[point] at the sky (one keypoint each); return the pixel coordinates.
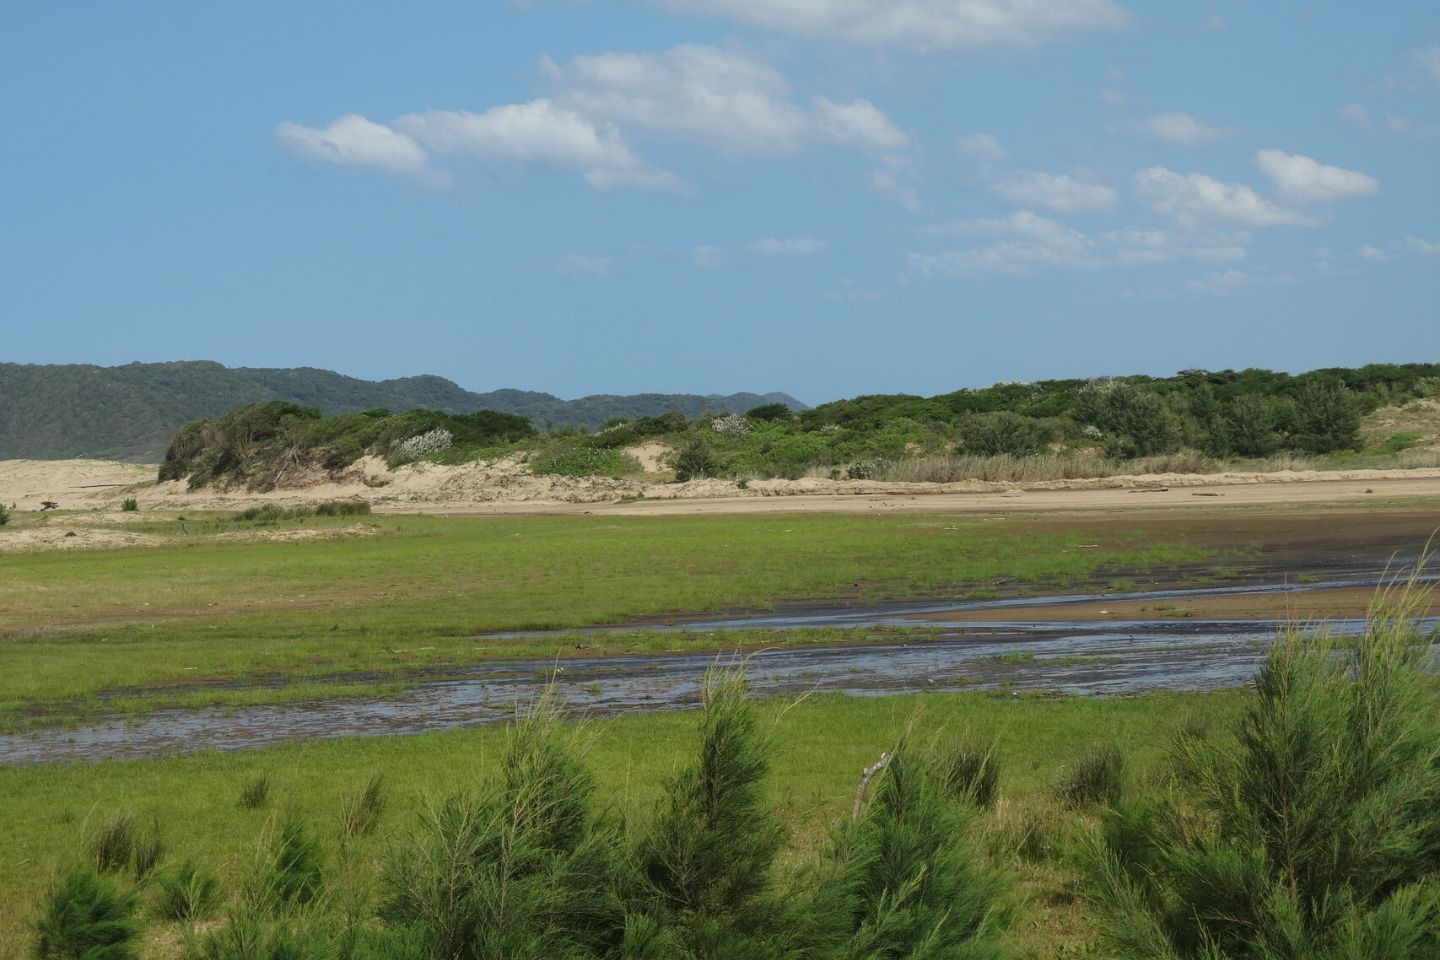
(826, 198)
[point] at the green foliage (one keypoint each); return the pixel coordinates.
(360, 811)
(769, 411)
(85, 917)
(969, 771)
(695, 462)
(521, 870)
(130, 505)
(1312, 832)
(1097, 777)
(903, 880)
(1400, 441)
(1002, 432)
(291, 870)
(1327, 418)
(255, 792)
(4, 514)
(580, 461)
(275, 513)
(708, 856)
(1133, 420)
(187, 894)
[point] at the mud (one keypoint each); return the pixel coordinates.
(966, 651)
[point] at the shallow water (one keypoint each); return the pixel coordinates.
(1074, 657)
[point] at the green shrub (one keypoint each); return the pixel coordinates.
(85, 917)
(769, 411)
(695, 462)
(4, 514)
(1002, 432)
(904, 880)
(1098, 777)
(130, 505)
(185, 894)
(293, 872)
(1400, 442)
(1327, 418)
(1311, 833)
(585, 462)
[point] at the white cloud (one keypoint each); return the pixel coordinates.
(1358, 116)
(1428, 60)
(579, 264)
(1411, 246)
(859, 123)
(1059, 192)
(1026, 243)
(981, 148)
(787, 247)
(353, 140)
(1231, 282)
(1410, 128)
(1183, 129)
(706, 255)
(922, 24)
(716, 97)
(1194, 198)
(890, 180)
(539, 131)
(1304, 178)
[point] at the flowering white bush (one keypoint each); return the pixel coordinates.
(732, 425)
(422, 445)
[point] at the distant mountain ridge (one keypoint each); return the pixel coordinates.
(130, 412)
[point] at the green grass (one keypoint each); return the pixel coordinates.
(78, 626)
(822, 745)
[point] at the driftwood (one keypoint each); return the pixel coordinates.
(49, 505)
(865, 779)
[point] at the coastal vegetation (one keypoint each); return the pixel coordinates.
(1194, 422)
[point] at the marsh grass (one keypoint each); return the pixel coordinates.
(361, 809)
(310, 611)
(255, 792)
(1098, 777)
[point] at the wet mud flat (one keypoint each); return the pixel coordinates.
(1006, 658)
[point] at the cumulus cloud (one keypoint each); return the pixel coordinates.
(981, 148)
(353, 140)
(717, 97)
(787, 247)
(1059, 192)
(922, 24)
(1358, 116)
(539, 131)
(1306, 179)
(1194, 198)
(1027, 243)
(1183, 129)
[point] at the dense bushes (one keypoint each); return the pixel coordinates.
(258, 444)
(532, 865)
(1254, 413)
(1314, 832)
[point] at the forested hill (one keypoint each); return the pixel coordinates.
(131, 412)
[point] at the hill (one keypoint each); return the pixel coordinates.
(131, 412)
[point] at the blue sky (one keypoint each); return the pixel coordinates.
(713, 195)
